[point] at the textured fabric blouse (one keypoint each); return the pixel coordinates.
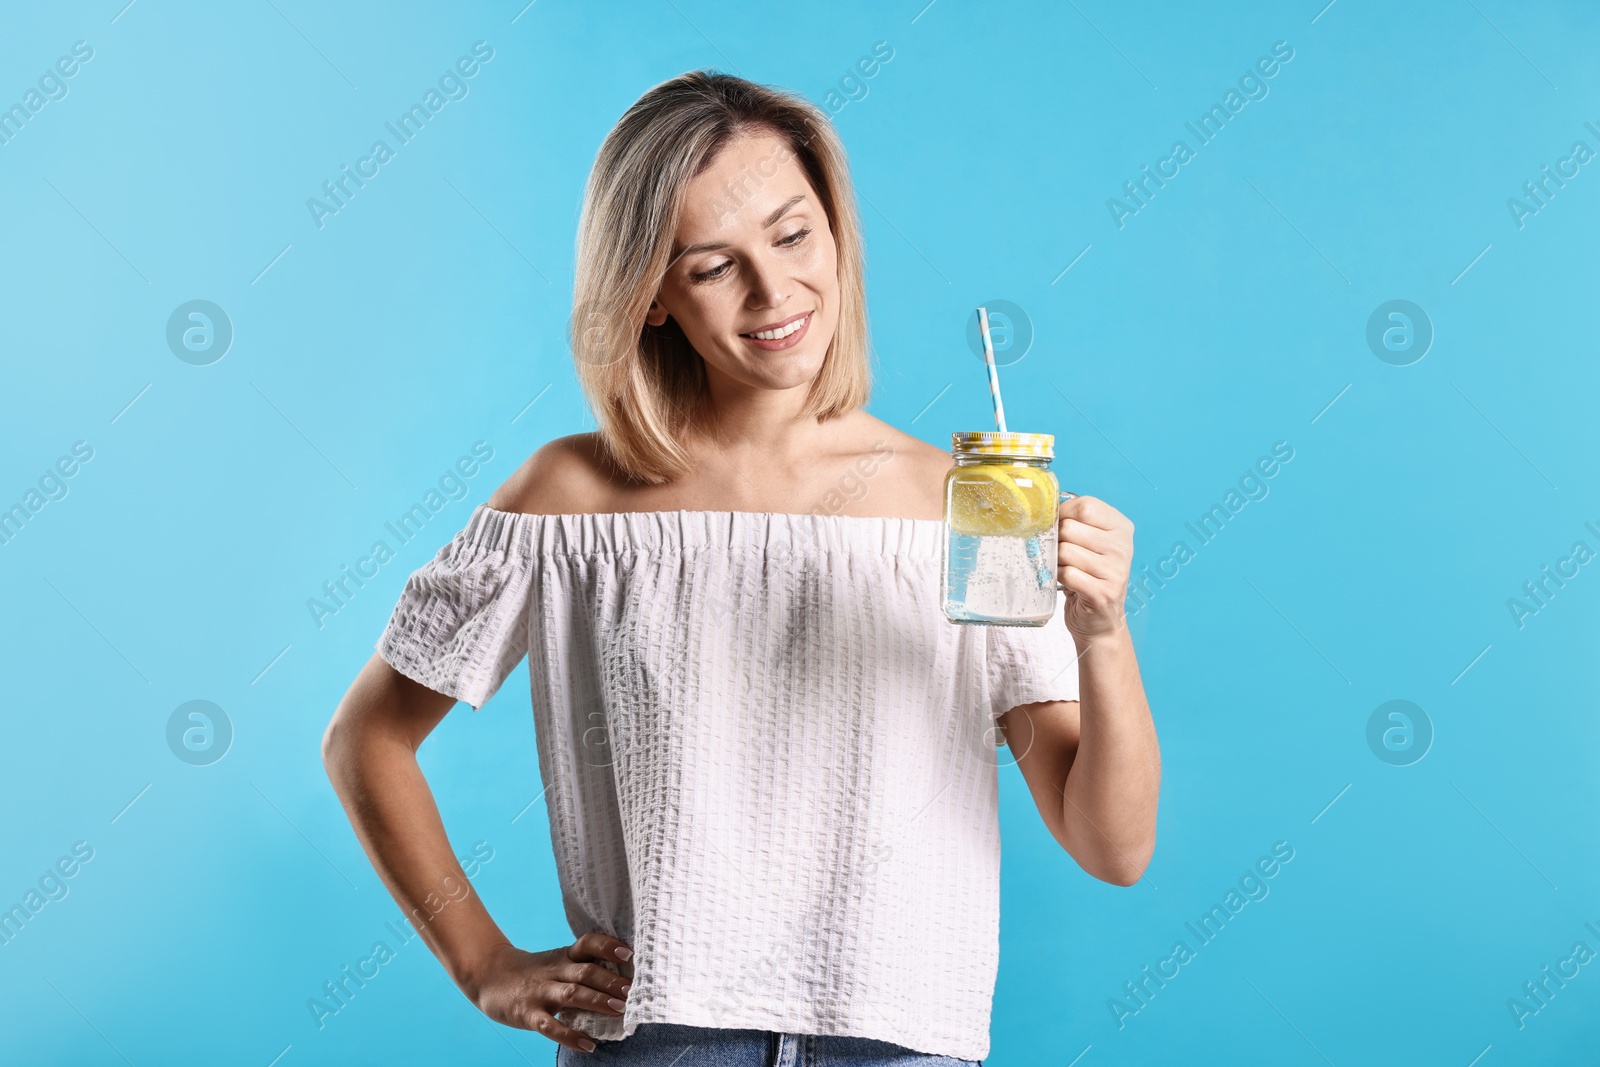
(770, 762)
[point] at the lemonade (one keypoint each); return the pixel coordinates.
(991, 500)
(1001, 555)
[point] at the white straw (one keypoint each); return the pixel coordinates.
(994, 374)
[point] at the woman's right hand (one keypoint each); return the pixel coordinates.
(526, 989)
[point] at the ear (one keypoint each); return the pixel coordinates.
(657, 315)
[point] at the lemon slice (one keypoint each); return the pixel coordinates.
(996, 501)
(1038, 488)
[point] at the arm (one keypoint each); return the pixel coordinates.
(370, 753)
(1093, 765)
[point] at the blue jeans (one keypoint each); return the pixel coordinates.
(675, 1045)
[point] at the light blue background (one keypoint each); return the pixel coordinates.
(1223, 317)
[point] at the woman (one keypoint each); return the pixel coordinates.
(768, 759)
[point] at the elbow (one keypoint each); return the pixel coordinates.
(332, 744)
(1104, 859)
(1124, 869)
(1123, 876)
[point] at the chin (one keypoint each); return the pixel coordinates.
(786, 370)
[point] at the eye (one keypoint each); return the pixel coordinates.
(796, 237)
(713, 274)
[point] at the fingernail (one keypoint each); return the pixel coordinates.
(624, 953)
(586, 1045)
(616, 1005)
(626, 988)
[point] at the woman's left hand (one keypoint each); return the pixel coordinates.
(1094, 555)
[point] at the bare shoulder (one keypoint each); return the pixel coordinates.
(919, 469)
(565, 476)
(916, 453)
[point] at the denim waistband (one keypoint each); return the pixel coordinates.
(677, 1045)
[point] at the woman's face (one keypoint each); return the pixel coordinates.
(754, 282)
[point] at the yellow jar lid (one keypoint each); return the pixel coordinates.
(995, 443)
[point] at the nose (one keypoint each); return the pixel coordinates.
(768, 288)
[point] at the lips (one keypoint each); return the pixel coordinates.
(784, 333)
(780, 324)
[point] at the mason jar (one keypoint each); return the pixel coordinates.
(1000, 505)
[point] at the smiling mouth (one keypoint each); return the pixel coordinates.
(781, 330)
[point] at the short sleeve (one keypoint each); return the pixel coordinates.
(1028, 664)
(461, 624)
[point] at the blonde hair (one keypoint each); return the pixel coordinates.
(646, 383)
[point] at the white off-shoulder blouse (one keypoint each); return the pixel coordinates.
(769, 760)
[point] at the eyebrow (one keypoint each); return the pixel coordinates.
(712, 246)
